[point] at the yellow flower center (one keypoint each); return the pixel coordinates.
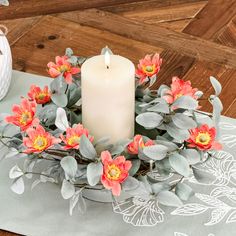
(149, 69)
(25, 117)
(73, 140)
(41, 96)
(203, 138)
(64, 68)
(40, 143)
(113, 172)
(178, 95)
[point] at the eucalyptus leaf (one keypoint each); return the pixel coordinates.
(74, 94)
(48, 114)
(69, 52)
(69, 165)
(18, 185)
(216, 85)
(160, 107)
(60, 100)
(15, 172)
(179, 164)
(149, 120)
(158, 187)
(130, 183)
(168, 198)
(162, 90)
(183, 122)
(61, 121)
(192, 156)
(67, 189)
(156, 152)
(94, 172)
(58, 85)
(203, 176)
(183, 191)
(170, 145)
(185, 102)
(135, 167)
(86, 148)
(178, 134)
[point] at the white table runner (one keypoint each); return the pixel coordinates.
(43, 212)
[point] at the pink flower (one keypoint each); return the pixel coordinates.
(138, 143)
(62, 66)
(24, 116)
(38, 140)
(115, 172)
(180, 88)
(203, 138)
(148, 66)
(73, 135)
(41, 96)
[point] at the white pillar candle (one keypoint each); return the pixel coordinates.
(108, 97)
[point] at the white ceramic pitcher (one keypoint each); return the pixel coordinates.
(5, 63)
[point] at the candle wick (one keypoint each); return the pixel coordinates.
(107, 67)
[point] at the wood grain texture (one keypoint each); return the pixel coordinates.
(180, 42)
(212, 18)
(28, 8)
(38, 38)
(34, 56)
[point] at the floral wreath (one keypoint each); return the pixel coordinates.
(171, 137)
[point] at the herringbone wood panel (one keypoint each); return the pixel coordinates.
(196, 38)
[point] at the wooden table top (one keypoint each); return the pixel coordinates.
(196, 38)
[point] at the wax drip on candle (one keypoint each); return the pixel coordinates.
(107, 59)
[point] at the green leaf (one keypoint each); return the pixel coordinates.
(185, 102)
(61, 121)
(183, 122)
(86, 148)
(67, 189)
(48, 114)
(183, 191)
(94, 172)
(170, 145)
(168, 198)
(130, 184)
(216, 85)
(155, 152)
(179, 164)
(60, 99)
(203, 176)
(158, 187)
(135, 167)
(149, 120)
(69, 52)
(18, 185)
(192, 156)
(15, 172)
(178, 134)
(69, 165)
(163, 108)
(74, 94)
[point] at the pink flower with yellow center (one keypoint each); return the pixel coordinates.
(180, 88)
(73, 135)
(138, 143)
(203, 138)
(38, 140)
(148, 66)
(115, 172)
(41, 96)
(24, 114)
(62, 66)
